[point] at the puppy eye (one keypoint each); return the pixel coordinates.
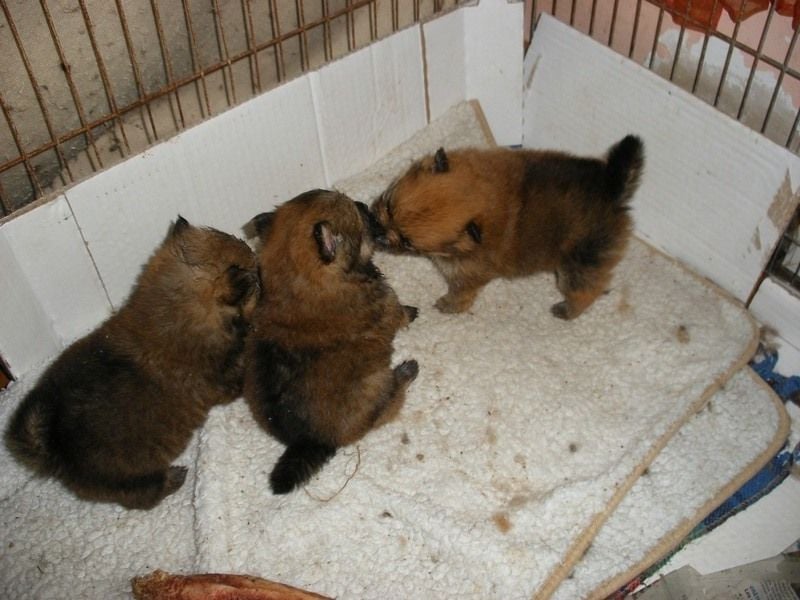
(406, 243)
(242, 282)
(474, 231)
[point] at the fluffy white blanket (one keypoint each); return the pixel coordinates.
(518, 439)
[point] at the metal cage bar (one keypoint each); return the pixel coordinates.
(148, 91)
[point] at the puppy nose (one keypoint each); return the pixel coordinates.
(376, 230)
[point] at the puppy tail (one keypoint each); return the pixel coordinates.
(27, 434)
(297, 464)
(623, 169)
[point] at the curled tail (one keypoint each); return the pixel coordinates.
(297, 464)
(27, 435)
(624, 168)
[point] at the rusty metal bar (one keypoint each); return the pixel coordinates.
(101, 66)
(280, 63)
(198, 68)
(5, 209)
(350, 26)
(326, 31)
(23, 156)
(592, 15)
(703, 50)
(255, 71)
(126, 34)
(73, 90)
(36, 88)
(793, 131)
(167, 62)
(373, 21)
(778, 84)
(726, 66)
(756, 60)
(613, 23)
(655, 37)
(299, 6)
(224, 54)
(635, 28)
(679, 45)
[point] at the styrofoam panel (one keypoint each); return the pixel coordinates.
(369, 102)
(476, 53)
(49, 249)
(249, 159)
(27, 336)
(776, 306)
(219, 173)
(493, 41)
(709, 183)
(445, 59)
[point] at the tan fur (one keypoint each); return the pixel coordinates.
(118, 406)
(319, 358)
(532, 210)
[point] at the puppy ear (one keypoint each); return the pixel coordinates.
(259, 225)
(242, 283)
(474, 231)
(440, 162)
(376, 230)
(326, 241)
(178, 226)
(180, 243)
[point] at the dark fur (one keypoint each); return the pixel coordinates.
(319, 370)
(110, 415)
(483, 214)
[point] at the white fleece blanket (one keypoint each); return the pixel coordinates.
(740, 429)
(53, 544)
(519, 435)
(517, 439)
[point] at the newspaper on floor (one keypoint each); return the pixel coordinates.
(776, 578)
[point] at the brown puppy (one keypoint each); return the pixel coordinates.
(119, 405)
(482, 214)
(318, 361)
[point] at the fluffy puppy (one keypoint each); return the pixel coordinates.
(119, 405)
(319, 370)
(482, 214)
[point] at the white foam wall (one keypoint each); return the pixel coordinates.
(476, 53)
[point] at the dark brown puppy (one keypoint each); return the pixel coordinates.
(319, 370)
(118, 406)
(482, 214)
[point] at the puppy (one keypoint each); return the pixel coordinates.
(318, 362)
(119, 405)
(482, 214)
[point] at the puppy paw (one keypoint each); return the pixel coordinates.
(175, 478)
(412, 312)
(451, 305)
(561, 310)
(406, 371)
